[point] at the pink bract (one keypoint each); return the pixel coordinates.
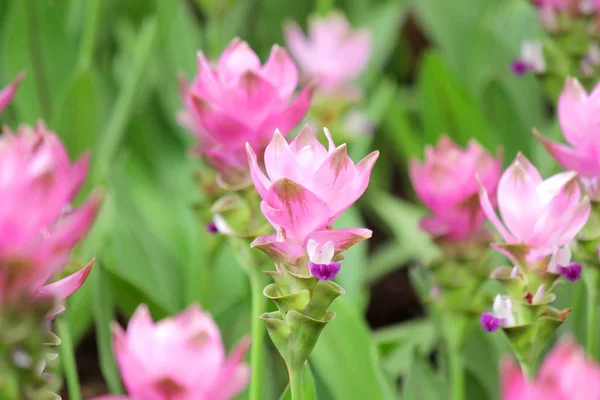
(7, 93)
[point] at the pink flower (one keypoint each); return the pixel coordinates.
(566, 374)
(579, 116)
(38, 226)
(307, 188)
(563, 5)
(447, 184)
(178, 358)
(333, 52)
(239, 101)
(7, 93)
(543, 214)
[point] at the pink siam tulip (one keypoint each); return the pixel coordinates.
(7, 93)
(306, 188)
(37, 223)
(542, 215)
(178, 358)
(332, 53)
(446, 182)
(579, 116)
(566, 374)
(240, 101)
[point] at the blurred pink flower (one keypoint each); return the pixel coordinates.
(579, 116)
(446, 182)
(333, 53)
(178, 358)
(542, 214)
(37, 224)
(7, 93)
(238, 101)
(307, 188)
(562, 5)
(566, 374)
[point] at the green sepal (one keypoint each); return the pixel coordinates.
(286, 302)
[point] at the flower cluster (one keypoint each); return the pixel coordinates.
(182, 357)
(307, 187)
(240, 101)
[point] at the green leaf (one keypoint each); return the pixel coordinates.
(481, 361)
(78, 113)
(104, 315)
(310, 392)
(346, 359)
(422, 383)
(67, 359)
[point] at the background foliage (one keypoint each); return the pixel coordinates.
(103, 74)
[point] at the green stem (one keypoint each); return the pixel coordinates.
(297, 381)
(528, 370)
(457, 377)
(259, 305)
(67, 359)
(591, 281)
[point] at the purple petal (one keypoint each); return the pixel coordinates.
(520, 67)
(490, 323)
(571, 272)
(212, 228)
(324, 272)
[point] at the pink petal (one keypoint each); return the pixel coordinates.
(575, 223)
(307, 143)
(71, 228)
(237, 58)
(113, 397)
(206, 84)
(281, 71)
(252, 99)
(355, 52)
(517, 198)
(357, 187)
(333, 176)
(296, 209)
(280, 160)
(65, 287)
(261, 182)
(488, 210)
(291, 116)
(220, 126)
(514, 386)
(587, 164)
(434, 226)
(280, 252)
(7, 93)
(578, 114)
(342, 239)
(296, 42)
(235, 375)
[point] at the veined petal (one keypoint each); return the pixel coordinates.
(296, 209)
(281, 71)
(518, 201)
(261, 182)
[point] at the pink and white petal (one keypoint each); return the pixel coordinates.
(65, 287)
(281, 71)
(261, 182)
(488, 210)
(280, 160)
(342, 239)
(518, 201)
(7, 93)
(571, 159)
(219, 125)
(307, 147)
(289, 117)
(333, 176)
(279, 252)
(330, 141)
(235, 60)
(296, 209)
(356, 188)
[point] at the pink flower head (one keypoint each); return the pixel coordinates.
(579, 116)
(7, 93)
(566, 374)
(306, 188)
(178, 358)
(333, 52)
(543, 214)
(446, 182)
(240, 101)
(37, 223)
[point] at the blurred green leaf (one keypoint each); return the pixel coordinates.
(67, 359)
(346, 341)
(482, 362)
(422, 383)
